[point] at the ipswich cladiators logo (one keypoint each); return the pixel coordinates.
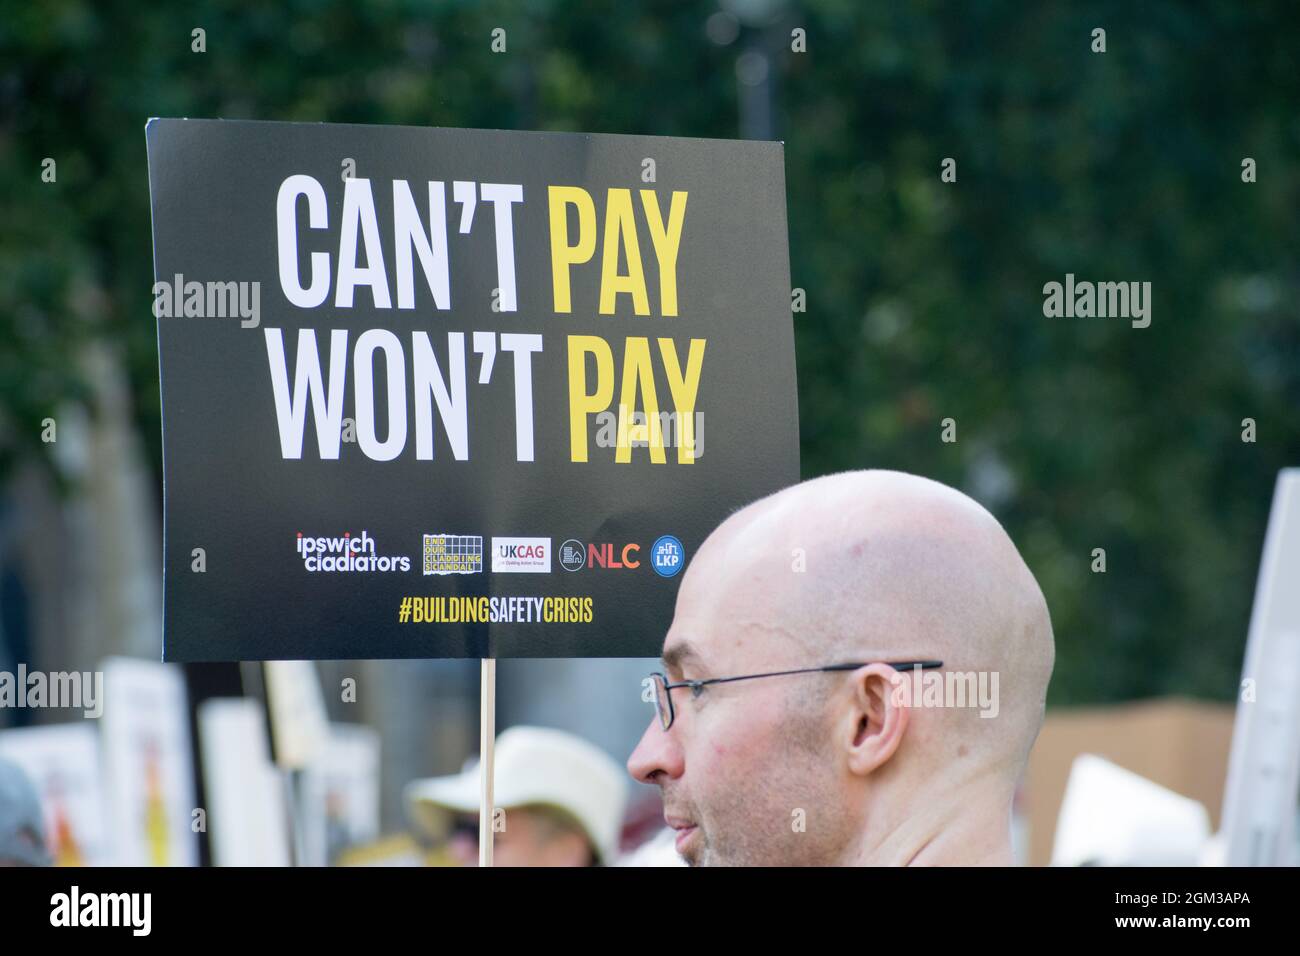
(347, 552)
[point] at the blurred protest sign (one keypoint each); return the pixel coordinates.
(1262, 796)
(340, 795)
(248, 816)
(146, 739)
(296, 709)
(63, 763)
(458, 393)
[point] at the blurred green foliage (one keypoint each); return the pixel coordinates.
(924, 298)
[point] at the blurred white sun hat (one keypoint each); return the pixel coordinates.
(534, 765)
(1114, 817)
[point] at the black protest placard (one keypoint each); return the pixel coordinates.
(458, 393)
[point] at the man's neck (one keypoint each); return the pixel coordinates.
(989, 846)
(976, 831)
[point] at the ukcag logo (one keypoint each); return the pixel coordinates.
(521, 555)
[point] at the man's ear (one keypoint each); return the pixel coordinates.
(877, 718)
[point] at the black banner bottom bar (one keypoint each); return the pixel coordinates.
(219, 906)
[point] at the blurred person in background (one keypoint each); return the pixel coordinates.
(22, 840)
(821, 590)
(563, 799)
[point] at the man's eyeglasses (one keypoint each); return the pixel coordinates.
(663, 698)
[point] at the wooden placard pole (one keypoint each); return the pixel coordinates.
(486, 742)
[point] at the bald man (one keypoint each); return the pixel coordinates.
(797, 764)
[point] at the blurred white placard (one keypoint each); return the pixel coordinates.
(340, 794)
(150, 773)
(1263, 789)
(248, 821)
(296, 703)
(63, 763)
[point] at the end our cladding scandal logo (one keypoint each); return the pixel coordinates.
(346, 553)
(453, 553)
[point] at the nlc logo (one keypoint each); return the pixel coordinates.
(607, 556)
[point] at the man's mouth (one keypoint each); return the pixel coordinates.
(684, 829)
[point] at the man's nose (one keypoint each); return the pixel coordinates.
(657, 753)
